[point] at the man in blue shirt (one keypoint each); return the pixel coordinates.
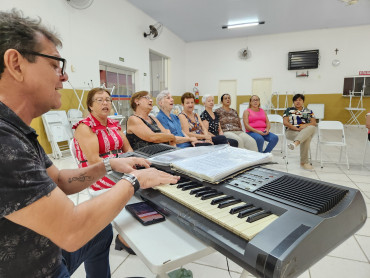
(170, 121)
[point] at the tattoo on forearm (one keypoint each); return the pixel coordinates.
(80, 178)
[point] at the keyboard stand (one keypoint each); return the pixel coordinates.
(162, 247)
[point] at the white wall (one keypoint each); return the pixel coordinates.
(210, 61)
(108, 29)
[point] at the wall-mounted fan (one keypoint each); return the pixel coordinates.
(154, 31)
(244, 53)
(80, 4)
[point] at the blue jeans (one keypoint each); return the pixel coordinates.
(94, 254)
(260, 140)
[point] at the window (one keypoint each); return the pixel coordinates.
(356, 85)
(123, 81)
(158, 73)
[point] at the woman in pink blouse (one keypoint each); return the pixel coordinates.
(257, 125)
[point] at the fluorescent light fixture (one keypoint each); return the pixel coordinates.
(242, 25)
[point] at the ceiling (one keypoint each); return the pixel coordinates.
(198, 20)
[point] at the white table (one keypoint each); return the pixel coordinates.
(163, 247)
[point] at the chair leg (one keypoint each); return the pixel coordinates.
(363, 160)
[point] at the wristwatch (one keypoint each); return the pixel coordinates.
(107, 165)
(133, 180)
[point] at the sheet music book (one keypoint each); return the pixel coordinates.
(211, 163)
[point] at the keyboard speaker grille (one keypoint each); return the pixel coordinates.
(312, 196)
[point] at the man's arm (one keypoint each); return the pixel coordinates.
(70, 227)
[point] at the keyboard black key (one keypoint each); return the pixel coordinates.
(258, 216)
(227, 203)
(247, 212)
(219, 200)
(202, 193)
(240, 208)
(182, 184)
(194, 191)
(211, 195)
(190, 186)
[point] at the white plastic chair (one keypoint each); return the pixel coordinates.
(74, 116)
(278, 128)
(332, 129)
(367, 144)
(58, 130)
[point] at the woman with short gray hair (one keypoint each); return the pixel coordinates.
(171, 122)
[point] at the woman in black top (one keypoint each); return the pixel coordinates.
(211, 120)
(143, 130)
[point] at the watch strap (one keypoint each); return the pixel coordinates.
(133, 180)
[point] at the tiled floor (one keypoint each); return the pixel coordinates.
(351, 259)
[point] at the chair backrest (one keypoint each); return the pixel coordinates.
(277, 125)
(275, 118)
(72, 149)
(318, 109)
(331, 125)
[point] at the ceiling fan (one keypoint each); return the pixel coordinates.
(244, 53)
(80, 4)
(154, 31)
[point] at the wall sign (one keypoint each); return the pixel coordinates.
(362, 72)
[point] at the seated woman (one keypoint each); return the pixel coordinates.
(257, 125)
(231, 126)
(300, 123)
(171, 121)
(142, 129)
(97, 137)
(192, 124)
(210, 120)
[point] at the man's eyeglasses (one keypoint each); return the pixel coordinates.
(62, 61)
(101, 100)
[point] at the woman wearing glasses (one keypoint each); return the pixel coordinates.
(257, 125)
(97, 137)
(142, 129)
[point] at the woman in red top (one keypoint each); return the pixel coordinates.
(257, 125)
(97, 137)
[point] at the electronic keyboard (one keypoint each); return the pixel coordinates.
(271, 223)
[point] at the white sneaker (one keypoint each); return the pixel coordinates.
(307, 167)
(291, 146)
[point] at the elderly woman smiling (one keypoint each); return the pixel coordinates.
(171, 121)
(192, 124)
(142, 129)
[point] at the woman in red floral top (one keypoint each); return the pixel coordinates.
(97, 136)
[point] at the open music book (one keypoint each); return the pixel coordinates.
(211, 163)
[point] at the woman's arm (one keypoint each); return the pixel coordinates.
(136, 125)
(88, 142)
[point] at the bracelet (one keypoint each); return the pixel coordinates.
(107, 165)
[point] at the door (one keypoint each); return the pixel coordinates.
(228, 87)
(262, 88)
